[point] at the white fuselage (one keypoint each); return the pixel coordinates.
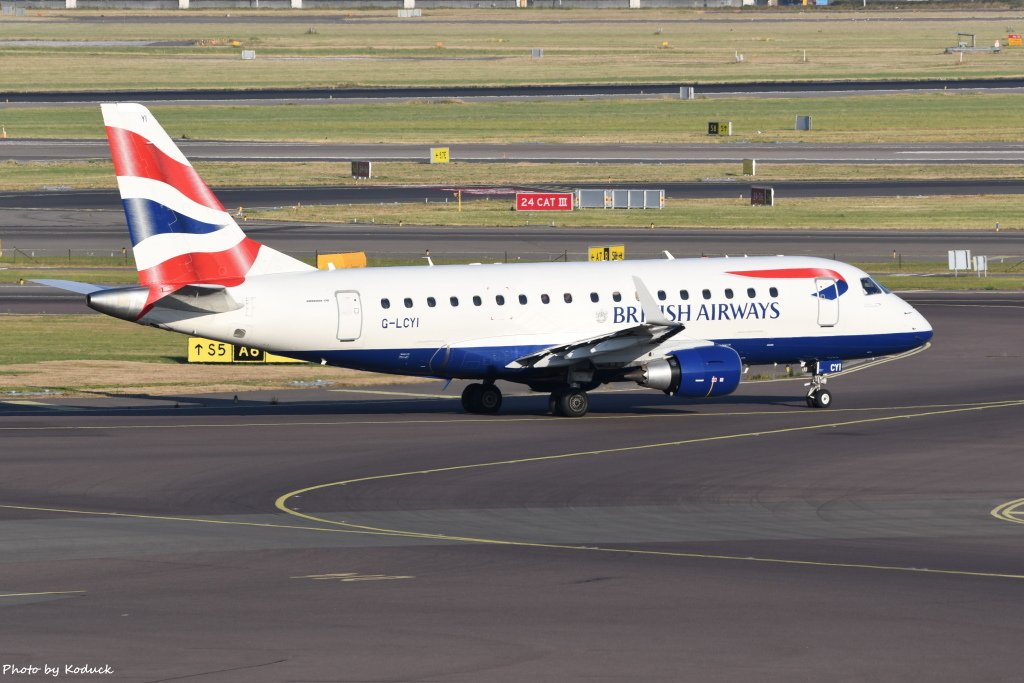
(473, 320)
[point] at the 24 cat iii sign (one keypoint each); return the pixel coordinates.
(543, 201)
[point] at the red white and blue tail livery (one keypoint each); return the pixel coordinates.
(687, 327)
(181, 234)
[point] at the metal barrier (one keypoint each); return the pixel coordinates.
(620, 199)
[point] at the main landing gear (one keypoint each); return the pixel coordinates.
(818, 396)
(481, 399)
(485, 399)
(568, 402)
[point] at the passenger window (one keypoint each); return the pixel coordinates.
(870, 286)
(499, 299)
(684, 295)
(408, 302)
(594, 297)
(706, 293)
(616, 296)
(522, 299)
(751, 294)
(728, 294)
(385, 303)
(773, 292)
(477, 301)
(661, 295)
(454, 300)
(431, 301)
(545, 299)
(567, 297)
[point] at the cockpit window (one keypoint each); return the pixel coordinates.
(872, 287)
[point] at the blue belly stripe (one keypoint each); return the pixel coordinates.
(490, 361)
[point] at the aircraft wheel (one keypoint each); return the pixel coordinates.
(488, 399)
(553, 403)
(822, 398)
(471, 398)
(810, 400)
(573, 403)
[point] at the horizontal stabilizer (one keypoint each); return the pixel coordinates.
(200, 299)
(131, 303)
(70, 286)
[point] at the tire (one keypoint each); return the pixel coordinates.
(488, 399)
(810, 400)
(573, 403)
(553, 403)
(823, 399)
(471, 398)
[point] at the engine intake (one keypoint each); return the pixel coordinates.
(701, 372)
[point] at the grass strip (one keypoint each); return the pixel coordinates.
(492, 47)
(32, 339)
(34, 175)
(912, 117)
(902, 213)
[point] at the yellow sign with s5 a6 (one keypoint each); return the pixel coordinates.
(201, 350)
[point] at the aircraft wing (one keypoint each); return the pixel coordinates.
(655, 329)
(640, 337)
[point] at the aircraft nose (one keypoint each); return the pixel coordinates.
(921, 328)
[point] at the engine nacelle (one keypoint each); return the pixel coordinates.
(701, 372)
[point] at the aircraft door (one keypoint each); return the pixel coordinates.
(350, 316)
(828, 301)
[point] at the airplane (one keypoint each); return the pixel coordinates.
(688, 327)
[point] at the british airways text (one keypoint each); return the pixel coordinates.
(686, 312)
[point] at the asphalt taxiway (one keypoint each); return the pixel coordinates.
(380, 534)
(37, 149)
(52, 232)
(277, 196)
(341, 95)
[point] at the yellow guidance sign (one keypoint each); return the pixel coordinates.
(439, 155)
(202, 350)
(353, 259)
(615, 252)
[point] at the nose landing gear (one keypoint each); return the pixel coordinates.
(818, 396)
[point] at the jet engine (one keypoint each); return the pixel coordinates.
(699, 372)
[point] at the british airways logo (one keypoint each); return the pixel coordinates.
(684, 313)
(829, 284)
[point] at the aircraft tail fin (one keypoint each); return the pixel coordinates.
(181, 233)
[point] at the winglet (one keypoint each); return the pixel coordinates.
(652, 314)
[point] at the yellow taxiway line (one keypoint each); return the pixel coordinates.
(282, 501)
